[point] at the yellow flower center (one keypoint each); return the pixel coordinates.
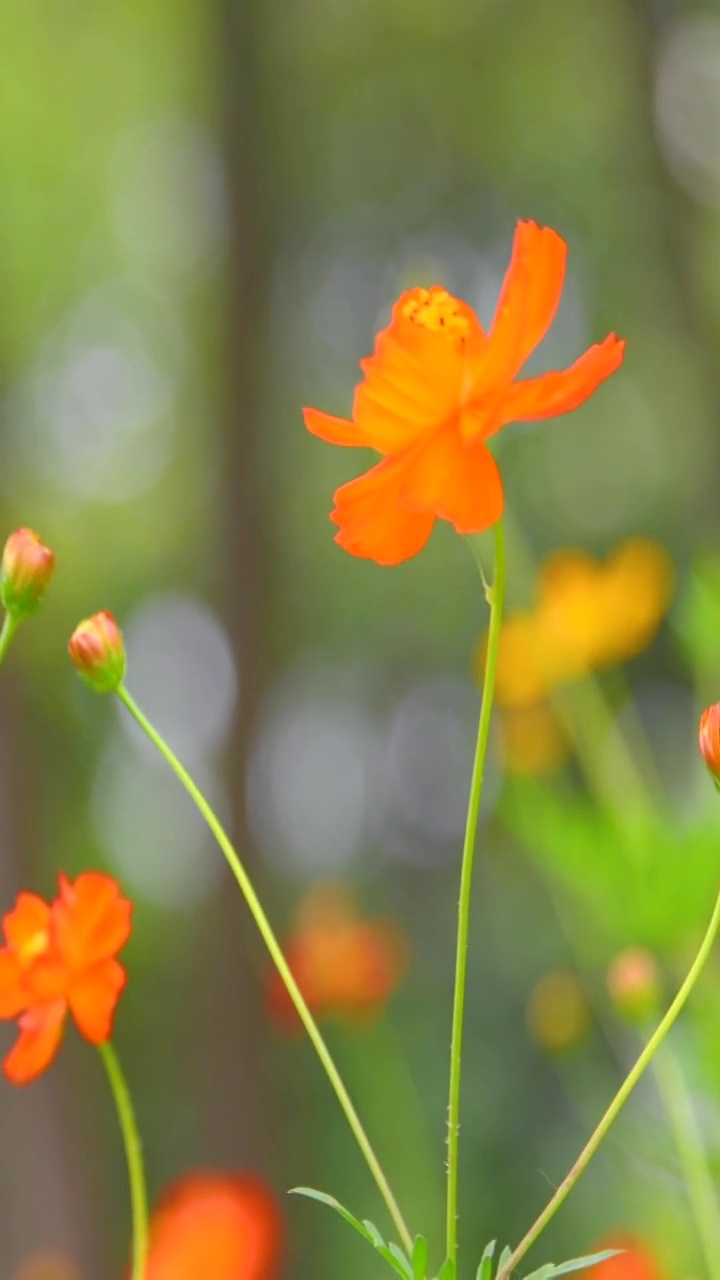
(437, 311)
(35, 946)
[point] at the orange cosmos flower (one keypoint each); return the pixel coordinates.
(59, 957)
(437, 388)
(343, 965)
(634, 1263)
(215, 1226)
(709, 739)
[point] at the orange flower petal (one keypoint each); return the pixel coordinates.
(415, 379)
(372, 524)
(91, 920)
(215, 1226)
(456, 482)
(41, 1031)
(527, 304)
(13, 997)
(93, 999)
(27, 927)
(555, 393)
(334, 430)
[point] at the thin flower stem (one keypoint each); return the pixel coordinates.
(133, 1154)
(9, 627)
(618, 1102)
(495, 596)
(691, 1152)
(281, 964)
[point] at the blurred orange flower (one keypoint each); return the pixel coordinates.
(47, 1264)
(532, 739)
(343, 965)
(215, 1226)
(634, 1263)
(60, 957)
(588, 615)
(558, 1013)
(437, 388)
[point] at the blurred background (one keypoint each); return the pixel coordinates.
(207, 210)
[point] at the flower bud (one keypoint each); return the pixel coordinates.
(27, 567)
(709, 738)
(633, 984)
(98, 651)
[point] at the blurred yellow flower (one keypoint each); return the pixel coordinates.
(558, 1013)
(532, 739)
(589, 614)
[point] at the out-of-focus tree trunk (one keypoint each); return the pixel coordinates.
(236, 1093)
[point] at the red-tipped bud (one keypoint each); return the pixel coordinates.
(98, 651)
(709, 738)
(27, 567)
(633, 984)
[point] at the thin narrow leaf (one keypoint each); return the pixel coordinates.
(401, 1266)
(577, 1264)
(505, 1256)
(374, 1234)
(332, 1203)
(402, 1258)
(447, 1270)
(420, 1258)
(546, 1272)
(484, 1271)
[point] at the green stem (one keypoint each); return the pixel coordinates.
(9, 627)
(692, 1155)
(133, 1154)
(281, 964)
(495, 596)
(619, 1100)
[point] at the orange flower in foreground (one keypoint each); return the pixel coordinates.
(343, 965)
(634, 1263)
(437, 388)
(60, 957)
(215, 1226)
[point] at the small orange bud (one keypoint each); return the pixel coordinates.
(633, 984)
(98, 651)
(710, 740)
(27, 567)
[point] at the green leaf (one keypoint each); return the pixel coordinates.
(419, 1258)
(447, 1270)
(484, 1271)
(505, 1256)
(332, 1203)
(397, 1259)
(551, 1269)
(373, 1234)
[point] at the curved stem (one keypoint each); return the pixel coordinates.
(9, 627)
(619, 1100)
(495, 596)
(133, 1154)
(281, 964)
(691, 1152)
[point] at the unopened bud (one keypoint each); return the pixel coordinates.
(709, 739)
(98, 652)
(27, 567)
(633, 984)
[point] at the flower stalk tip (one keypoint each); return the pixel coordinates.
(27, 567)
(97, 650)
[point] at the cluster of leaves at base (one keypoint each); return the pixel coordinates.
(415, 1267)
